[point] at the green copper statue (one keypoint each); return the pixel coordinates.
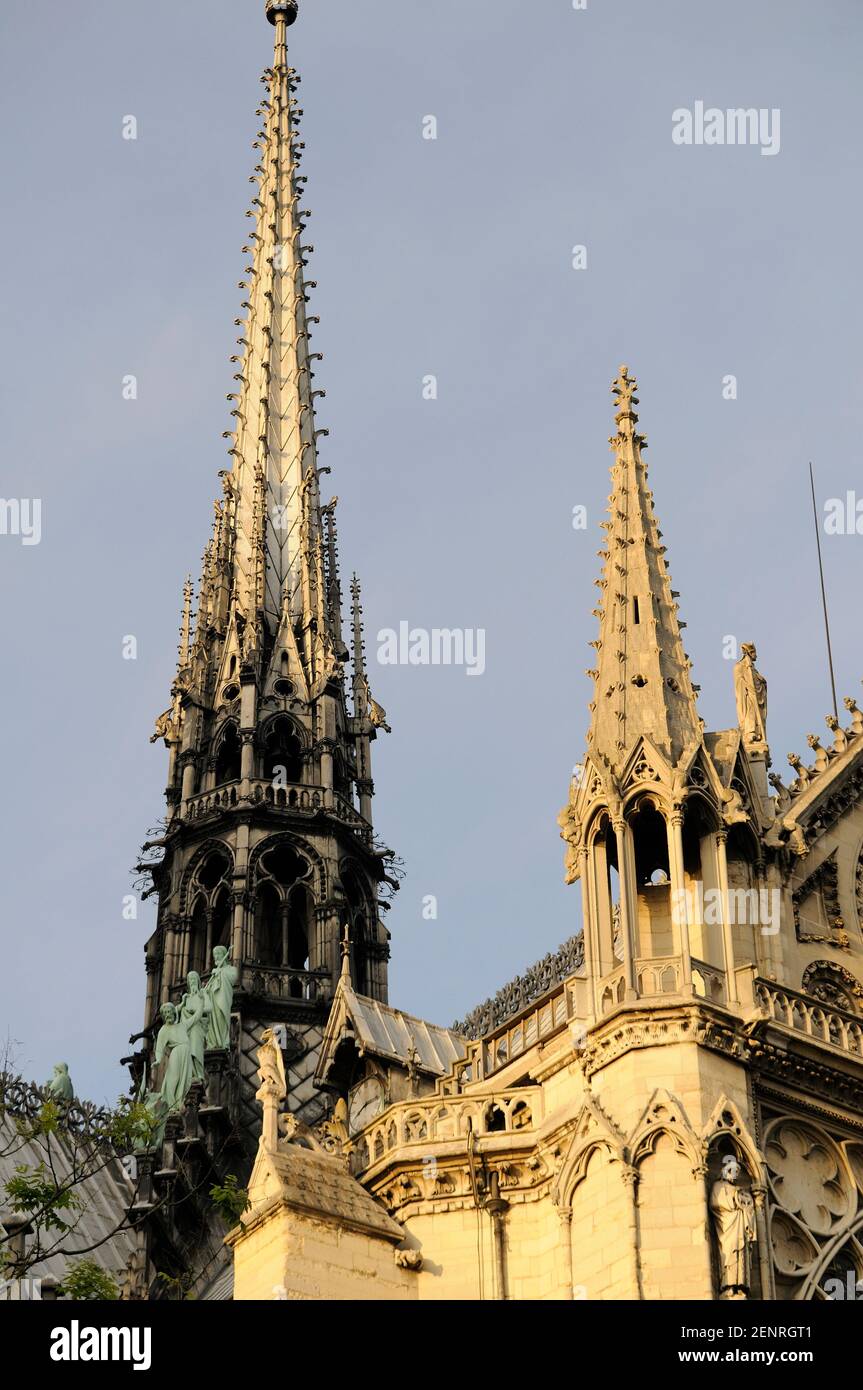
(220, 988)
(194, 1015)
(174, 1041)
(60, 1086)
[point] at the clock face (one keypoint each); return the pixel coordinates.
(365, 1102)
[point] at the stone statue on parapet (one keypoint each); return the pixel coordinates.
(174, 1045)
(750, 691)
(60, 1086)
(220, 991)
(195, 1009)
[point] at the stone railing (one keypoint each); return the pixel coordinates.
(661, 975)
(708, 982)
(438, 1118)
(536, 981)
(25, 1101)
(271, 982)
(807, 1016)
(282, 982)
(296, 796)
(547, 1016)
(343, 810)
(261, 792)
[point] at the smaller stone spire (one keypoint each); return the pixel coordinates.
(358, 658)
(641, 672)
(346, 954)
(184, 650)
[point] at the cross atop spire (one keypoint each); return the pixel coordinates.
(641, 674)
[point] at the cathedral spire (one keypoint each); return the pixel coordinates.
(263, 750)
(272, 508)
(641, 672)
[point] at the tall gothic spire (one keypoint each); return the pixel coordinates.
(642, 680)
(269, 564)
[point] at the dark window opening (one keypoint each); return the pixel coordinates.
(228, 757)
(283, 753)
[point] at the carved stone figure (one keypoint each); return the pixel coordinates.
(173, 1041)
(378, 716)
(750, 691)
(273, 1088)
(60, 1086)
(220, 989)
(733, 1214)
(195, 1007)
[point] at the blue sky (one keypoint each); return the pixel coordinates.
(451, 257)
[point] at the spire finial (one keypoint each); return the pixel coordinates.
(287, 9)
(624, 389)
(641, 672)
(346, 953)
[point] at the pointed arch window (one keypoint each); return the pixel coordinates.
(228, 756)
(210, 920)
(283, 752)
(358, 921)
(284, 912)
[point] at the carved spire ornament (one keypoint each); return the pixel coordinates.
(642, 676)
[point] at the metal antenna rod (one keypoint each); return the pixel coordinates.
(823, 591)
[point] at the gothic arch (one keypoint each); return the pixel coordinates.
(226, 752)
(702, 803)
(593, 1131)
(664, 1115)
(282, 716)
(850, 1238)
(641, 797)
(598, 825)
(299, 846)
(284, 902)
(727, 1122)
(351, 868)
(282, 741)
(361, 914)
(201, 854)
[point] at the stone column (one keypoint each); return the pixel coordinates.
(759, 1197)
(727, 930)
(679, 898)
(187, 760)
(701, 1174)
(248, 709)
(238, 930)
(599, 898)
(565, 1214)
(630, 1180)
(169, 958)
(182, 953)
(623, 835)
(327, 771)
(247, 762)
(365, 788)
(590, 951)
